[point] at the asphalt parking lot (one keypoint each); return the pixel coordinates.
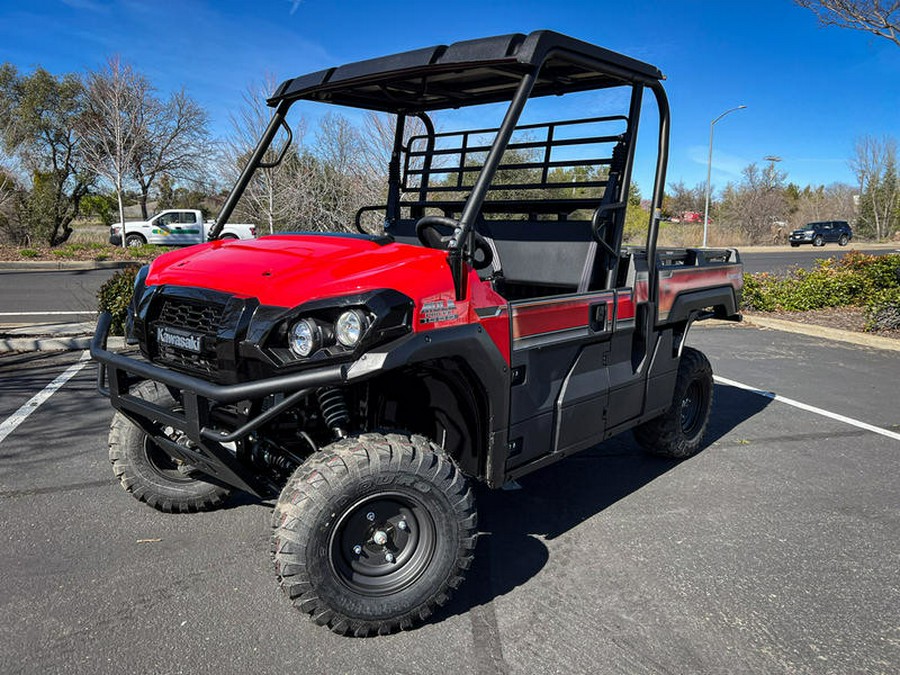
(774, 550)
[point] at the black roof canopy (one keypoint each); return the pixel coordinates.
(466, 73)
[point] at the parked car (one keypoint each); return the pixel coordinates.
(175, 227)
(818, 234)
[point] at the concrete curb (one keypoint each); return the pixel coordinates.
(811, 330)
(54, 344)
(58, 265)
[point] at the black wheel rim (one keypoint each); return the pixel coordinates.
(692, 409)
(164, 465)
(382, 544)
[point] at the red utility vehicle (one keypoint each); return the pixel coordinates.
(495, 326)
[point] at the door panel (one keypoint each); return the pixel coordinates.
(575, 374)
(558, 347)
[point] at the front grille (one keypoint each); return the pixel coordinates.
(200, 320)
(204, 319)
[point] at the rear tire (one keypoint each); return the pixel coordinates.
(678, 432)
(149, 473)
(844, 240)
(373, 533)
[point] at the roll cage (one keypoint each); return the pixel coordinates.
(512, 68)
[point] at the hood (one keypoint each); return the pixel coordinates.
(287, 270)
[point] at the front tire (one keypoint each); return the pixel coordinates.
(135, 240)
(818, 241)
(678, 433)
(373, 533)
(146, 471)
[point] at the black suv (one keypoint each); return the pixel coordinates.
(818, 234)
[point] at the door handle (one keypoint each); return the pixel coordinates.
(598, 317)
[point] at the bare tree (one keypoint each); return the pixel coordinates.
(757, 204)
(269, 195)
(680, 198)
(879, 17)
(174, 142)
(112, 124)
(875, 166)
(831, 202)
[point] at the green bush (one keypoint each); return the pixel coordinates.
(29, 253)
(852, 280)
(883, 311)
(114, 297)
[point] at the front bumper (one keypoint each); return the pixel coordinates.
(208, 452)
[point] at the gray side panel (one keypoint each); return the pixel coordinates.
(581, 409)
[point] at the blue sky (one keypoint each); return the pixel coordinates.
(810, 92)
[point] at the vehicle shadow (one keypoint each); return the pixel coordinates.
(515, 523)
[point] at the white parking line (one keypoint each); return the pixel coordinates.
(9, 424)
(809, 408)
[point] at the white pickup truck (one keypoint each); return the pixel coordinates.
(175, 227)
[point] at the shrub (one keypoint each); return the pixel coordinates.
(883, 311)
(852, 280)
(29, 253)
(114, 297)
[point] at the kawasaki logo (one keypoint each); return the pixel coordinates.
(166, 336)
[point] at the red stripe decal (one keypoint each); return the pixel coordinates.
(625, 308)
(549, 318)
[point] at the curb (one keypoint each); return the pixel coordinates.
(55, 266)
(811, 330)
(54, 344)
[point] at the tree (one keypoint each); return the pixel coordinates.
(757, 204)
(879, 17)
(43, 141)
(112, 124)
(679, 199)
(268, 196)
(174, 142)
(875, 166)
(813, 203)
(9, 186)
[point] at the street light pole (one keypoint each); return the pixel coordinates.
(709, 172)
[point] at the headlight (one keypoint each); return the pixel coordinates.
(350, 327)
(305, 337)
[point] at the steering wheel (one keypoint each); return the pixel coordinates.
(429, 231)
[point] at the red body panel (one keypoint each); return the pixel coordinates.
(696, 278)
(289, 270)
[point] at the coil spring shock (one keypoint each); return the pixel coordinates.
(334, 409)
